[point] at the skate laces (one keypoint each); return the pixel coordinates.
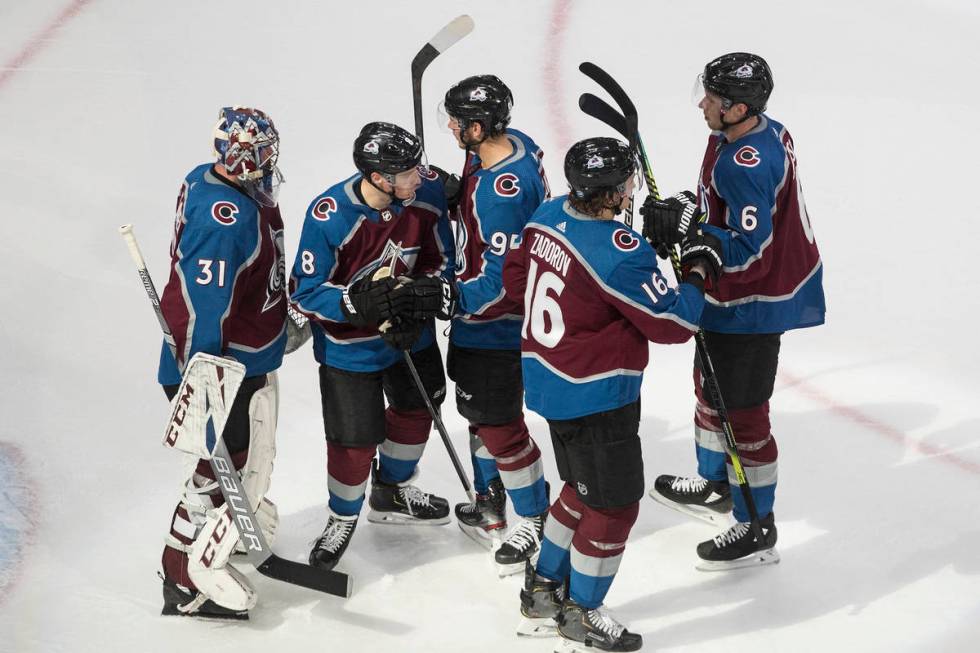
(688, 484)
(732, 535)
(414, 496)
(604, 622)
(525, 534)
(335, 534)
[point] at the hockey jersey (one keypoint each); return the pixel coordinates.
(344, 240)
(495, 205)
(773, 274)
(226, 292)
(593, 297)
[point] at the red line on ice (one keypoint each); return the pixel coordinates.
(551, 72)
(870, 423)
(12, 453)
(40, 39)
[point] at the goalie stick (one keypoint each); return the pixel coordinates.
(627, 124)
(455, 30)
(258, 552)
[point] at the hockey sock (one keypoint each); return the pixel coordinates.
(484, 466)
(519, 462)
(759, 454)
(407, 432)
(348, 469)
(597, 550)
(554, 562)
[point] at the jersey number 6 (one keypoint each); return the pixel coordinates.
(538, 306)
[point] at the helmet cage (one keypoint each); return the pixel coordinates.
(246, 144)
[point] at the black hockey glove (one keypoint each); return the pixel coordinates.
(430, 297)
(705, 249)
(668, 222)
(402, 333)
(451, 186)
(368, 303)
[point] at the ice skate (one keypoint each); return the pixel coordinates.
(330, 546)
(485, 521)
(738, 547)
(185, 602)
(709, 501)
(521, 545)
(584, 630)
(403, 503)
(540, 603)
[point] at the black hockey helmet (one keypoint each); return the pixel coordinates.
(386, 149)
(480, 98)
(740, 77)
(598, 165)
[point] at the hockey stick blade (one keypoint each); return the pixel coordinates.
(612, 87)
(601, 110)
(297, 573)
(455, 30)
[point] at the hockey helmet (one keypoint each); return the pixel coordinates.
(599, 165)
(246, 143)
(739, 77)
(386, 149)
(480, 98)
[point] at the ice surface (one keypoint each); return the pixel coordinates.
(874, 412)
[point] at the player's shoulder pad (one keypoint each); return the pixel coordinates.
(754, 154)
(431, 194)
(214, 205)
(335, 207)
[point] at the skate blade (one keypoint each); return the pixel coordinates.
(537, 627)
(569, 646)
(720, 519)
(399, 519)
(489, 540)
(757, 559)
(172, 611)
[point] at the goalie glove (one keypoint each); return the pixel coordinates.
(429, 296)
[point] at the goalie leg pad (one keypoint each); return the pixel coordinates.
(208, 568)
(263, 411)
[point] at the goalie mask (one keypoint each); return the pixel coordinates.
(246, 143)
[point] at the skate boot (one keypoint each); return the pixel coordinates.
(185, 602)
(333, 542)
(521, 545)
(584, 630)
(484, 520)
(738, 547)
(403, 503)
(710, 501)
(540, 603)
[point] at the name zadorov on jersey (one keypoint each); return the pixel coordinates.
(551, 253)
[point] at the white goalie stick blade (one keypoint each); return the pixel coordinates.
(721, 520)
(202, 404)
(542, 627)
(757, 559)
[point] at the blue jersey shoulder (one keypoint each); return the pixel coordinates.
(214, 205)
(431, 194)
(334, 211)
(758, 158)
(515, 178)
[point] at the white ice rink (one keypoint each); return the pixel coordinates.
(106, 104)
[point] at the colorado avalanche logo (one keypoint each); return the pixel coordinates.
(224, 212)
(506, 185)
(594, 162)
(478, 95)
(372, 147)
(277, 276)
(625, 241)
(747, 156)
(323, 209)
(744, 72)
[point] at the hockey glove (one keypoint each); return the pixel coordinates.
(430, 297)
(451, 187)
(668, 222)
(367, 303)
(705, 249)
(402, 333)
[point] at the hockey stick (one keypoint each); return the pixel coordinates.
(629, 121)
(258, 552)
(455, 30)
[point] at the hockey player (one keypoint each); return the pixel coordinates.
(226, 296)
(502, 184)
(751, 198)
(593, 298)
(361, 238)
